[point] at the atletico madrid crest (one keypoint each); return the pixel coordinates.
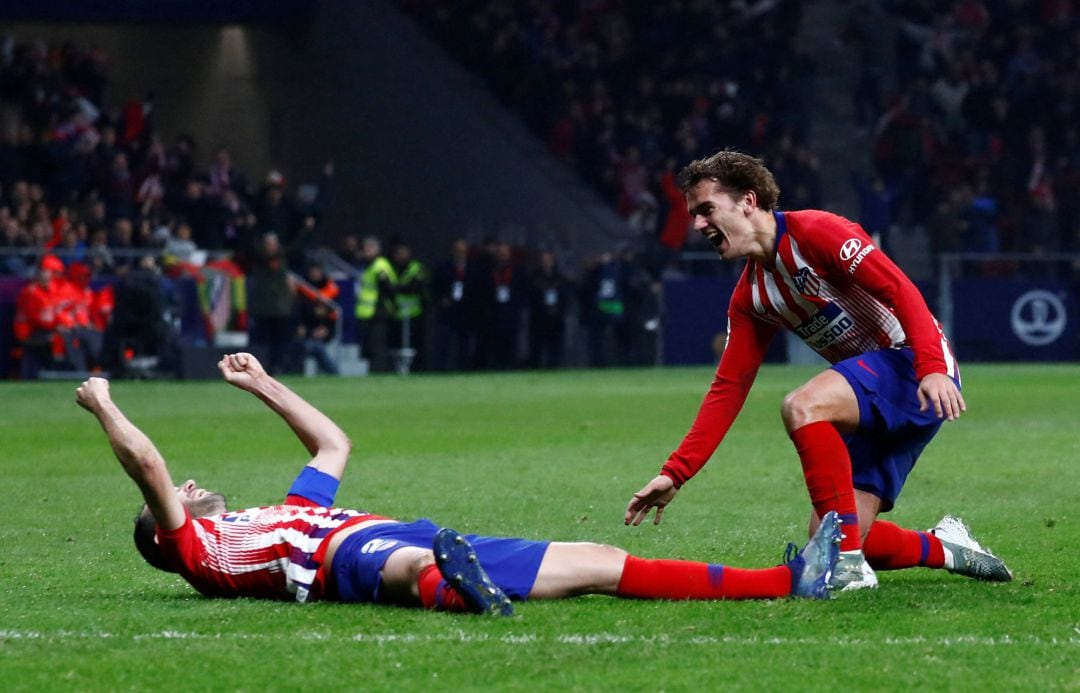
(806, 282)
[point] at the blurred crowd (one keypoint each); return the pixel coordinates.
(627, 92)
(970, 124)
(89, 190)
(966, 112)
(97, 182)
(976, 127)
(96, 210)
(493, 306)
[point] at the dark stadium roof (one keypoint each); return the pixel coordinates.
(139, 11)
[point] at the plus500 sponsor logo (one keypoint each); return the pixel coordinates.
(825, 328)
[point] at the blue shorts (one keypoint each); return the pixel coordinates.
(512, 564)
(892, 431)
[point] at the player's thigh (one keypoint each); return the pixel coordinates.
(827, 396)
(570, 569)
(399, 575)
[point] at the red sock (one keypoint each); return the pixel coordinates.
(661, 579)
(827, 469)
(890, 547)
(436, 594)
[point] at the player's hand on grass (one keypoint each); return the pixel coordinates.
(939, 391)
(242, 370)
(656, 494)
(92, 394)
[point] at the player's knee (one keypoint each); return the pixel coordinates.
(419, 563)
(607, 562)
(577, 568)
(400, 574)
(608, 552)
(610, 561)
(798, 409)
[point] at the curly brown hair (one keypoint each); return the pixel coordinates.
(734, 170)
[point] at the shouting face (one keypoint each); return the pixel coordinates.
(723, 216)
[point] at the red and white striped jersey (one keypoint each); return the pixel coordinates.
(835, 290)
(840, 294)
(272, 552)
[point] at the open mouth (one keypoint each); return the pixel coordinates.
(717, 240)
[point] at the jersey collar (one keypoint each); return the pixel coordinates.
(781, 227)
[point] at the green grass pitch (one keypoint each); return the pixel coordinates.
(546, 456)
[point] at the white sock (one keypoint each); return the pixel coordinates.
(950, 562)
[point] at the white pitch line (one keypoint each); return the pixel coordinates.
(573, 639)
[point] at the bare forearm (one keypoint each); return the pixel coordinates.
(137, 455)
(314, 429)
(143, 463)
(133, 448)
(328, 444)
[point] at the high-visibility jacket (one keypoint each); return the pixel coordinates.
(410, 294)
(367, 299)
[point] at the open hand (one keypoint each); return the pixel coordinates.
(656, 494)
(939, 391)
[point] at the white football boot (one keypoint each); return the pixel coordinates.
(965, 556)
(853, 573)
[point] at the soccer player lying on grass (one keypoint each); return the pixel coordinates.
(306, 548)
(859, 426)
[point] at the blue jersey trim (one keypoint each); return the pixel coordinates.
(781, 227)
(318, 487)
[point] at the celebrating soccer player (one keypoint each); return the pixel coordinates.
(306, 548)
(859, 426)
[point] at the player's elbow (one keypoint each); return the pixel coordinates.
(144, 465)
(339, 445)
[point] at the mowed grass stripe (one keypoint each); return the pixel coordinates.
(585, 639)
(539, 455)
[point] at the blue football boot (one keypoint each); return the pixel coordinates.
(459, 567)
(812, 568)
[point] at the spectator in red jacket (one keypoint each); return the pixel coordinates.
(42, 329)
(87, 311)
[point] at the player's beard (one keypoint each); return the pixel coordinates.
(210, 504)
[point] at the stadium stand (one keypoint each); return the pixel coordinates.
(963, 137)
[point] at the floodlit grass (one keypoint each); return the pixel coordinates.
(551, 456)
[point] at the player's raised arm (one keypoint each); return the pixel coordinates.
(136, 453)
(324, 440)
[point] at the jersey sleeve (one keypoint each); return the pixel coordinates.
(748, 339)
(830, 249)
(313, 488)
(182, 547)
